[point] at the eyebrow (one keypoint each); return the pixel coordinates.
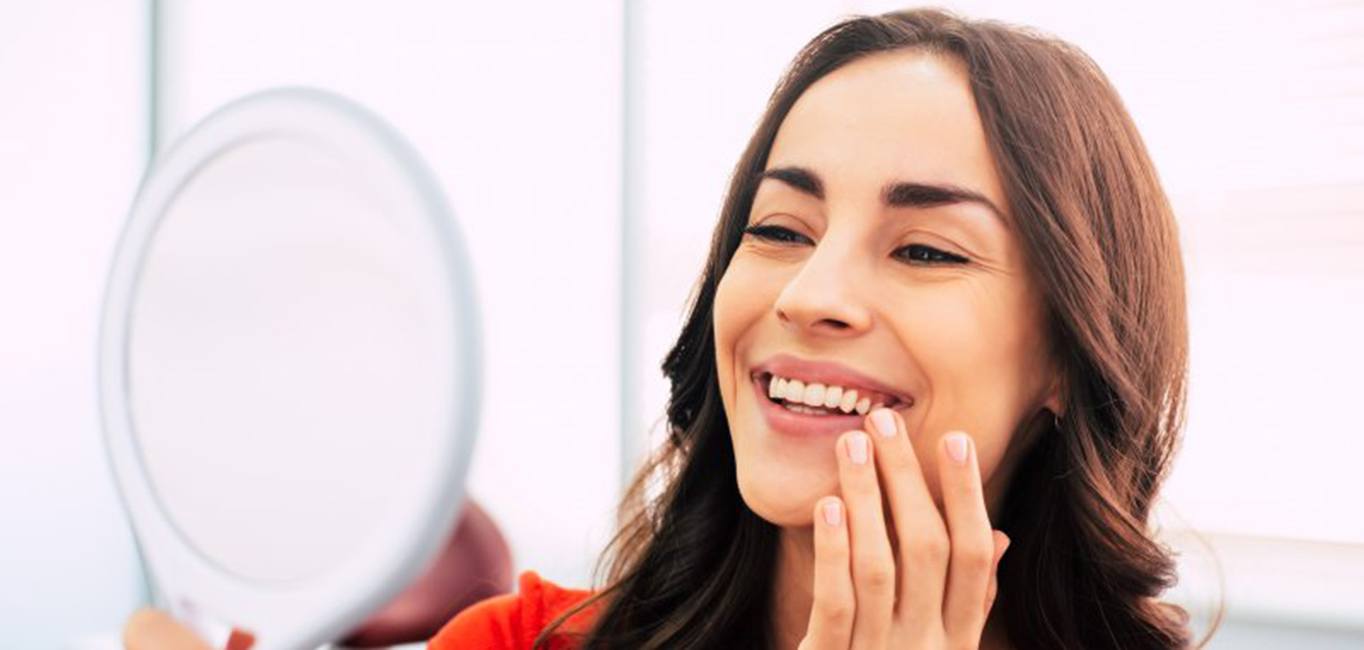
(895, 194)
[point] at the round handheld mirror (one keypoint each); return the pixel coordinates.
(289, 369)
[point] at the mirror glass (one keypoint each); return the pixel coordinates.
(288, 352)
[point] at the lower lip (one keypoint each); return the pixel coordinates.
(792, 423)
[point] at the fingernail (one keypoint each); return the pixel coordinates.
(857, 448)
(956, 448)
(884, 422)
(833, 514)
(240, 640)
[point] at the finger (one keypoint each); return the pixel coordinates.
(153, 629)
(968, 526)
(1001, 545)
(919, 529)
(873, 564)
(832, 613)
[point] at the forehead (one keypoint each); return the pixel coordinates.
(906, 115)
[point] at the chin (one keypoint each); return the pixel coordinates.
(785, 497)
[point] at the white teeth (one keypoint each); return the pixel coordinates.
(849, 401)
(776, 388)
(814, 395)
(798, 394)
(801, 408)
(832, 396)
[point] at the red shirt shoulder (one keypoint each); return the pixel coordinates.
(512, 621)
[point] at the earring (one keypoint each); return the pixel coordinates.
(1056, 420)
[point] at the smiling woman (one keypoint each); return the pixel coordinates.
(917, 282)
(942, 317)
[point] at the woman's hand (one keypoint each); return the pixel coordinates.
(153, 629)
(894, 574)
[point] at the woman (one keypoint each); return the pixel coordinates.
(959, 221)
(942, 317)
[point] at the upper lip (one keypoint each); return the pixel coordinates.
(827, 372)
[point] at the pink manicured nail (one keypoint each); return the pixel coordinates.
(857, 448)
(956, 448)
(833, 514)
(884, 422)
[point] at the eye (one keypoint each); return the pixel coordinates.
(776, 233)
(919, 253)
(913, 253)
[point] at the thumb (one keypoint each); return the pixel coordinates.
(1001, 545)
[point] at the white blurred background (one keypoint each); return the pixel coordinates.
(585, 148)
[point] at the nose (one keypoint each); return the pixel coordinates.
(825, 298)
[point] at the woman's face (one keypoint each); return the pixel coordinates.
(889, 267)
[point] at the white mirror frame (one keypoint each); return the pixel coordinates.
(195, 590)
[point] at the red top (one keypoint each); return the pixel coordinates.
(511, 621)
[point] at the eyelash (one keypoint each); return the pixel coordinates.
(778, 233)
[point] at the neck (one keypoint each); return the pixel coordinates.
(793, 594)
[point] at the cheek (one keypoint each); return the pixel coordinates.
(978, 350)
(780, 484)
(745, 292)
(737, 307)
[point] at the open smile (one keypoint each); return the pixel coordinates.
(799, 408)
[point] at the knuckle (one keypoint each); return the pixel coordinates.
(933, 548)
(973, 557)
(836, 613)
(877, 577)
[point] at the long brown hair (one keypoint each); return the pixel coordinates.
(692, 566)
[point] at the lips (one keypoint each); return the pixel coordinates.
(828, 372)
(801, 425)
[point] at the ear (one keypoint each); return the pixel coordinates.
(1054, 397)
